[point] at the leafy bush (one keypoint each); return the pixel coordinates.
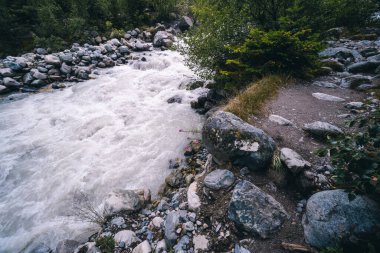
(106, 244)
(274, 52)
(357, 156)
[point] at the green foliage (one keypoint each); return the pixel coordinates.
(273, 52)
(106, 244)
(357, 156)
(332, 250)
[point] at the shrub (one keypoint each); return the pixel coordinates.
(274, 52)
(357, 156)
(106, 244)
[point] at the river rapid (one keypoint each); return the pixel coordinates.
(116, 131)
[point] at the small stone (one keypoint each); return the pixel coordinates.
(326, 97)
(143, 247)
(200, 243)
(157, 222)
(355, 105)
(280, 120)
(193, 199)
(126, 236)
(219, 179)
(188, 226)
(118, 221)
(293, 161)
(174, 99)
(179, 230)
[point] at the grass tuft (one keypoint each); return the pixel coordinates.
(251, 100)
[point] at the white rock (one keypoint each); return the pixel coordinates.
(322, 129)
(157, 222)
(193, 199)
(293, 160)
(122, 200)
(200, 243)
(127, 236)
(161, 246)
(143, 247)
(326, 97)
(280, 120)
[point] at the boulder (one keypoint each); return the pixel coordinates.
(40, 76)
(128, 237)
(331, 218)
(280, 120)
(175, 99)
(326, 97)
(11, 83)
(254, 211)
(354, 81)
(322, 129)
(293, 161)
(122, 200)
(124, 50)
(66, 246)
(65, 69)
(363, 67)
(162, 38)
(3, 89)
(6, 72)
(185, 23)
(229, 138)
(341, 52)
(219, 179)
(143, 247)
(53, 60)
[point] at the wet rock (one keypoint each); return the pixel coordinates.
(363, 67)
(3, 89)
(331, 218)
(280, 120)
(53, 60)
(175, 99)
(11, 83)
(322, 129)
(122, 200)
(172, 220)
(143, 247)
(326, 97)
(65, 69)
(229, 138)
(193, 199)
(293, 161)
(163, 38)
(66, 246)
(185, 23)
(200, 243)
(128, 237)
(219, 179)
(124, 50)
(255, 211)
(6, 72)
(354, 81)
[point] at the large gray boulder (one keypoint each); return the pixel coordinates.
(219, 179)
(322, 129)
(354, 81)
(52, 60)
(122, 201)
(331, 217)
(255, 211)
(229, 138)
(11, 83)
(163, 38)
(364, 67)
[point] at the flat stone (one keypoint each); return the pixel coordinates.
(193, 199)
(255, 211)
(322, 129)
(143, 247)
(127, 236)
(355, 105)
(219, 179)
(122, 200)
(293, 161)
(280, 120)
(326, 97)
(200, 243)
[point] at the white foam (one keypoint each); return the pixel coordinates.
(117, 131)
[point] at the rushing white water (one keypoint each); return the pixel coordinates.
(117, 131)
